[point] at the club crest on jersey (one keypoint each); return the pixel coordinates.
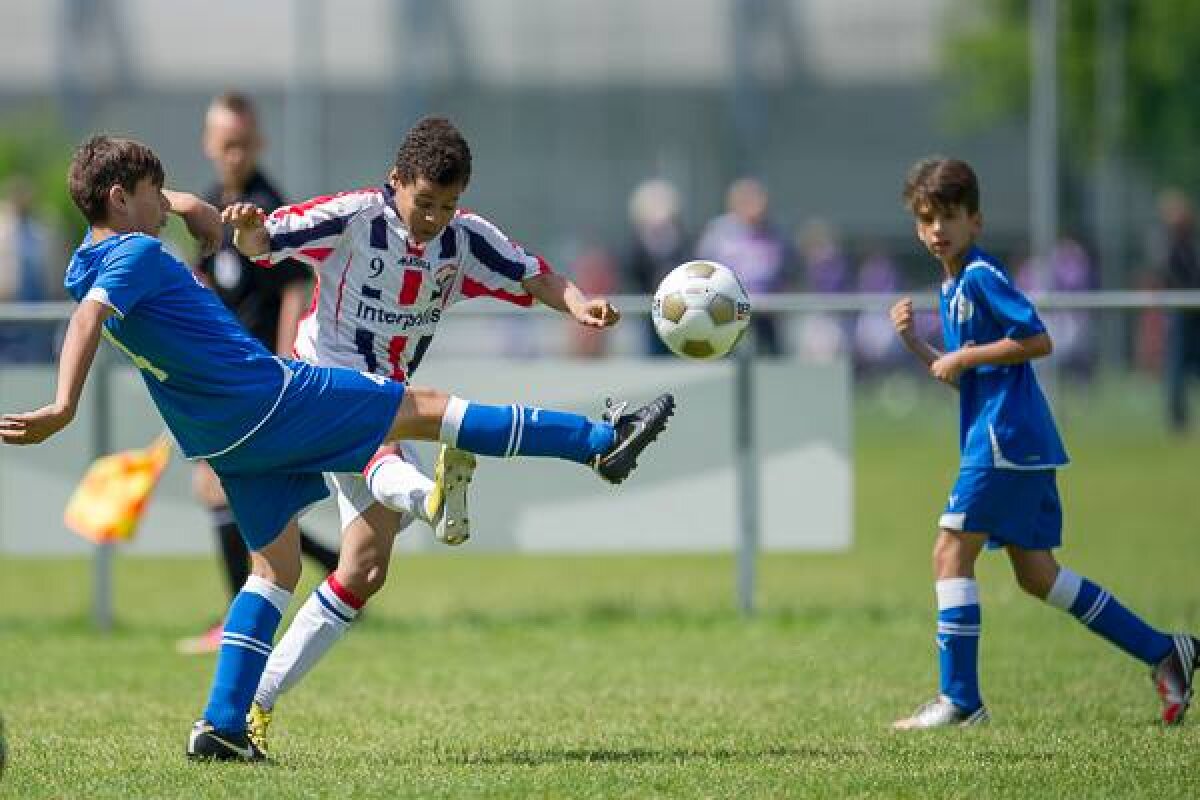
(443, 279)
(961, 309)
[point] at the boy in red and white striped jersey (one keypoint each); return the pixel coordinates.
(389, 262)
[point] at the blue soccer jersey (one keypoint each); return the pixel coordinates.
(213, 382)
(1004, 418)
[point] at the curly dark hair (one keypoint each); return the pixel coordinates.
(103, 162)
(941, 183)
(434, 149)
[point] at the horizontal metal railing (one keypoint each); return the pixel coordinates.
(782, 304)
(790, 303)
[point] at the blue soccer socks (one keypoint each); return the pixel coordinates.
(958, 641)
(1104, 615)
(514, 430)
(245, 645)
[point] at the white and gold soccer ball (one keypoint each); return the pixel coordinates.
(701, 310)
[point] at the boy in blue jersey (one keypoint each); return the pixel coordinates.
(1006, 494)
(267, 426)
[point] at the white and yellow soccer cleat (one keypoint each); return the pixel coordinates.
(446, 503)
(257, 723)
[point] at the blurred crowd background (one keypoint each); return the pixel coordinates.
(622, 138)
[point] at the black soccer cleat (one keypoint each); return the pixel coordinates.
(635, 431)
(206, 743)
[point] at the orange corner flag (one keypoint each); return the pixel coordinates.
(108, 503)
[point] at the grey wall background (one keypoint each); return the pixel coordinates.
(682, 498)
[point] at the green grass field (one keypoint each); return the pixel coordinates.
(490, 676)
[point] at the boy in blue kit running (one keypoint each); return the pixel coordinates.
(1006, 494)
(268, 426)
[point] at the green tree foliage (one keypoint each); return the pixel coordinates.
(35, 148)
(986, 59)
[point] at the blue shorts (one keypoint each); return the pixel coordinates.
(1018, 507)
(328, 420)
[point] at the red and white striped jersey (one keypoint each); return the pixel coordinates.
(379, 296)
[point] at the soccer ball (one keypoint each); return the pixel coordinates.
(700, 310)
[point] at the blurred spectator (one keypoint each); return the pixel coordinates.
(744, 240)
(826, 268)
(594, 271)
(28, 260)
(1183, 326)
(268, 302)
(876, 346)
(658, 244)
(1072, 331)
(1149, 327)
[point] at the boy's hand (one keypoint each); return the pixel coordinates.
(596, 313)
(948, 367)
(33, 427)
(249, 223)
(244, 217)
(902, 318)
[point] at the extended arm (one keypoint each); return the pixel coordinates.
(562, 295)
(79, 349)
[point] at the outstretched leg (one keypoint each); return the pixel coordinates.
(1173, 658)
(611, 446)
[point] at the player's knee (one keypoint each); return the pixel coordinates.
(364, 575)
(375, 578)
(420, 414)
(207, 489)
(282, 573)
(945, 555)
(428, 402)
(1035, 582)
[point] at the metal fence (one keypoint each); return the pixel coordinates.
(746, 449)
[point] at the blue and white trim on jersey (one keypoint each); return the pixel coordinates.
(100, 295)
(287, 380)
(1001, 462)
